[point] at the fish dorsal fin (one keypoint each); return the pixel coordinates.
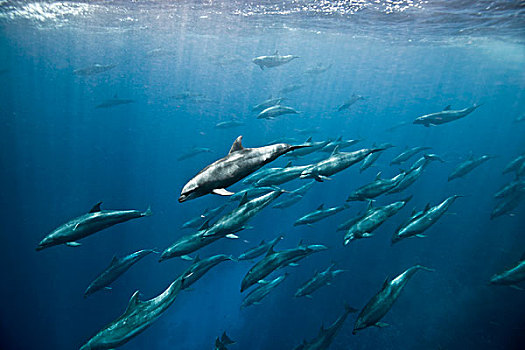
(309, 139)
(270, 251)
(427, 207)
(336, 150)
(113, 261)
(378, 176)
(244, 199)
(447, 108)
(205, 225)
(320, 207)
(96, 208)
(289, 164)
(237, 145)
(385, 283)
(133, 302)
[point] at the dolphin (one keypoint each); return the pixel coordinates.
(318, 69)
(362, 227)
(320, 279)
(406, 155)
(239, 163)
(375, 188)
(226, 226)
(269, 102)
(294, 196)
(326, 336)
(222, 342)
(200, 267)
(138, 316)
(312, 147)
(514, 164)
(115, 269)
(263, 289)
(262, 173)
(339, 142)
(467, 166)
(275, 260)
(188, 95)
(252, 192)
(372, 158)
(512, 276)
(229, 124)
(414, 172)
(320, 213)
(262, 248)
(273, 60)
(420, 221)
(207, 215)
(291, 88)
(507, 204)
(88, 224)
(382, 302)
(115, 101)
(94, 69)
(353, 99)
(195, 151)
(515, 186)
(279, 177)
(337, 162)
(447, 115)
(276, 111)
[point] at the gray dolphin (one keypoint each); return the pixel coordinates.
(375, 188)
(320, 213)
(94, 69)
(262, 248)
(279, 177)
(239, 163)
(320, 279)
(508, 203)
(115, 269)
(269, 102)
(275, 260)
(372, 158)
(414, 172)
(337, 162)
(514, 164)
(467, 166)
(326, 336)
(353, 99)
(88, 224)
(273, 60)
(294, 196)
(262, 173)
(383, 301)
(207, 215)
(263, 289)
(276, 111)
(511, 276)
(420, 221)
(407, 154)
(362, 227)
(515, 186)
(447, 115)
(199, 267)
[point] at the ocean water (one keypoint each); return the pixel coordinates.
(60, 155)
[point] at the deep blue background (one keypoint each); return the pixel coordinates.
(60, 155)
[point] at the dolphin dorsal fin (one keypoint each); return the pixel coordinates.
(385, 283)
(378, 176)
(447, 108)
(270, 251)
(289, 164)
(340, 138)
(113, 261)
(322, 330)
(370, 205)
(197, 259)
(205, 225)
(133, 302)
(276, 53)
(96, 208)
(335, 151)
(427, 207)
(244, 199)
(309, 139)
(320, 207)
(237, 145)
(262, 242)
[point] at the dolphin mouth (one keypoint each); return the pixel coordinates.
(182, 198)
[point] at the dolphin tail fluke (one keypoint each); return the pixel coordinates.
(226, 340)
(350, 309)
(148, 212)
(421, 267)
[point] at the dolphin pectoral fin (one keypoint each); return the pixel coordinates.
(318, 178)
(309, 296)
(232, 236)
(108, 288)
(186, 257)
(293, 264)
(222, 192)
(381, 324)
(420, 235)
(73, 244)
(325, 177)
(516, 287)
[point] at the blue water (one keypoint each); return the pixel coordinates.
(60, 155)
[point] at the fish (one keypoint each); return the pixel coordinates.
(88, 224)
(447, 115)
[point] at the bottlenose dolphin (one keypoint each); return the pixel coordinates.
(445, 116)
(362, 227)
(372, 158)
(512, 276)
(263, 289)
(311, 147)
(337, 162)
(115, 101)
(252, 192)
(207, 215)
(279, 177)
(228, 124)
(467, 166)
(515, 186)
(406, 155)
(262, 248)
(275, 260)
(375, 188)
(199, 267)
(294, 196)
(320, 279)
(326, 336)
(414, 172)
(320, 213)
(270, 102)
(195, 151)
(115, 269)
(353, 99)
(339, 142)
(88, 224)
(508, 203)
(275, 111)
(383, 301)
(94, 69)
(514, 164)
(420, 221)
(273, 60)
(239, 163)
